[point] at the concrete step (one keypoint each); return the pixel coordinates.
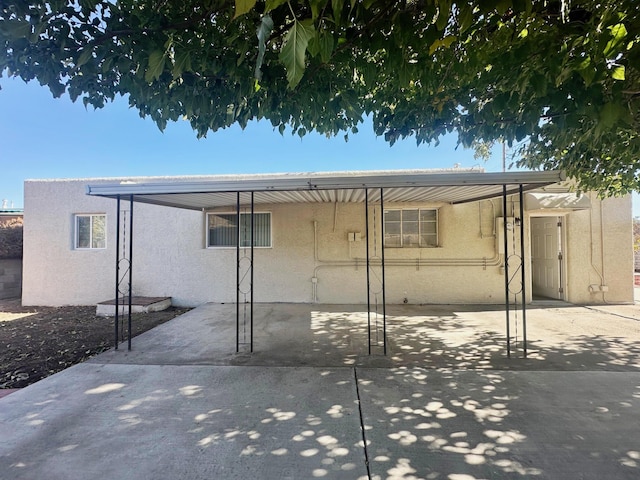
(138, 305)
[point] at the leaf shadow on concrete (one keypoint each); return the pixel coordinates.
(444, 404)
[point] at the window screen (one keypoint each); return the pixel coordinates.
(223, 230)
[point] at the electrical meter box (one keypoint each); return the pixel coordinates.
(500, 234)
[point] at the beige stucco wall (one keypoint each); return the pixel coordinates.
(53, 272)
(311, 258)
(600, 252)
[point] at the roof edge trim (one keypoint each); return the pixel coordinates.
(330, 183)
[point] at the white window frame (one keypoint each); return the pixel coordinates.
(234, 214)
(420, 227)
(76, 234)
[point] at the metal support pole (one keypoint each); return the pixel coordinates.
(366, 221)
(252, 228)
(130, 265)
(117, 269)
(384, 300)
(506, 265)
(524, 287)
(238, 272)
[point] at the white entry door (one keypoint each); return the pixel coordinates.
(546, 257)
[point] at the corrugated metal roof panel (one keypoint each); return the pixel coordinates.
(399, 187)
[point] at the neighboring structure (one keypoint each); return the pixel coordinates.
(10, 250)
(443, 239)
(8, 212)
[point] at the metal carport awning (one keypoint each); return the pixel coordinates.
(203, 193)
(399, 186)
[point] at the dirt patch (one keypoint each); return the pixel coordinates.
(36, 342)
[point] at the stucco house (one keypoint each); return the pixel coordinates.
(335, 238)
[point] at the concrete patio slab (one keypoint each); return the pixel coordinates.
(191, 422)
(471, 425)
(567, 337)
(445, 403)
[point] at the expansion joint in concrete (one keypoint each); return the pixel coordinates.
(599, 310)
(362, 427)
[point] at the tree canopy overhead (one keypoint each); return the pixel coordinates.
(559, 80)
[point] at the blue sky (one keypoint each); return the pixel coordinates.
(43, 137)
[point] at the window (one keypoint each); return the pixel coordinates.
(223, 229)
(411, 228)
(91, 231)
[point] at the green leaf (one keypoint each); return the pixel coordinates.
(587, 70)
(314, 46)
(326, 46)
(263, 32)
(618, 73)
(316, 7)
(293, 50)
(337, 6)
(445, 42)
(156, 66)
(84, 56)
(15, 29)
(539, 83)
(322, 44)
(610, 114)
(618, 32)
(272, 5)
(243, 6)
(444, 8)
(465, 17)
(182, 63)
(588, 74)
(56, 88)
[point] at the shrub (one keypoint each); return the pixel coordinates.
(11, 239)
